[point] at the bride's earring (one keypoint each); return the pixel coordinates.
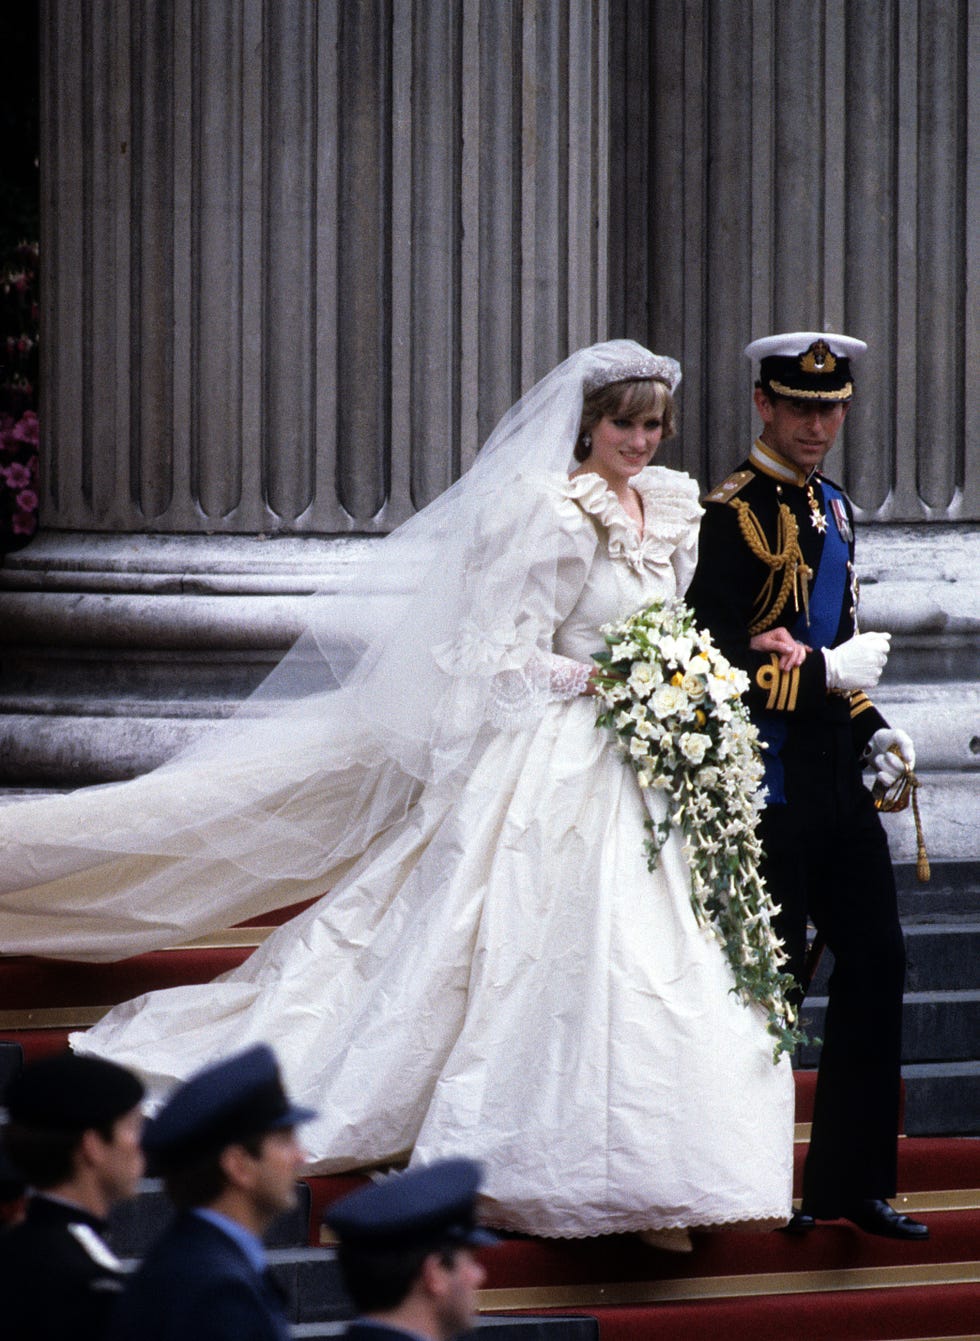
(587, 441)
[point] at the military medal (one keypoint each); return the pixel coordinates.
(841, 519)
(817, 519)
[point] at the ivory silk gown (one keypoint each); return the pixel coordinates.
(497, 973)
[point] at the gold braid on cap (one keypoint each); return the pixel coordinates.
(787, 559)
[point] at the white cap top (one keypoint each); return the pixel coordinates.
(794, 343)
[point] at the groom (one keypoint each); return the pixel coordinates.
(776, 585)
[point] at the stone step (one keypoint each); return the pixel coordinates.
(942, 1098)
(136, 1223)
(941, 1068)
(953, 888)
(941, 955)
(937, 1026)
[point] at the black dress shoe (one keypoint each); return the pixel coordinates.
(799, 1223)
(877, 1217)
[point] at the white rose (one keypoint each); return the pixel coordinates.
(641, 679)
(720, 688)
(694, 746)
(707, 777)
(668, 700)
(694, 686)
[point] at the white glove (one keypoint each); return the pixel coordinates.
(888, 766)
(858, 663)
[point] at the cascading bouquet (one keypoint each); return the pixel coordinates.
(673, 702)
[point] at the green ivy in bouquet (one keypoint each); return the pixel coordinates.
(674, 704)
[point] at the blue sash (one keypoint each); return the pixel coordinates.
(826, 598)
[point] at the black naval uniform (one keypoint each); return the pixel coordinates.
(58, 1278)
(197, 1284)
(825, 851)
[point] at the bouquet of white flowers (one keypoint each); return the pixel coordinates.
(673, 702)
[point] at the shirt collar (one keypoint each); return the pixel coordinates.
(768, 460)
(252, 1247)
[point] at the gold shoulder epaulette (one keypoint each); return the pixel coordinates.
(730, 487)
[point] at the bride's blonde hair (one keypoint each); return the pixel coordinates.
(644, 396)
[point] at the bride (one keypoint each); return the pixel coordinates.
(494, 970)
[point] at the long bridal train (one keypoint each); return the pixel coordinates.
(494, 970)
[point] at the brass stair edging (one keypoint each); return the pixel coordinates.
(52, 1017)
(729, 1287)
(940, 1199)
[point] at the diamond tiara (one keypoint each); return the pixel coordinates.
(629, 370)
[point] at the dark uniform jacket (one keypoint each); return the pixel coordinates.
(361, 1330)
(762, 562)
(759, 555)
(196, 1284)
(58, 1278)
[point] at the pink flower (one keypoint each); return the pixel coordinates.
(17, 476)
(27, 500)
(25, 430)
(24, 523)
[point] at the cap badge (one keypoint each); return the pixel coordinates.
(818, 358)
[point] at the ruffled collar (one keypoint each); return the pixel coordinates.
(670, 511)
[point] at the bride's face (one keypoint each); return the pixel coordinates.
(622, 445)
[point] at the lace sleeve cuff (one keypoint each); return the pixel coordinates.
(568, 678)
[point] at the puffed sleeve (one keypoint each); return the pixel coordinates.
(526, 565)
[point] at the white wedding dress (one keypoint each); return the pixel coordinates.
(496, 973)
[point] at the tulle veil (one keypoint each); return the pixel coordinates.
(334, 746)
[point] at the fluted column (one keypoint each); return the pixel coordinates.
(299, 257)
(798, 164)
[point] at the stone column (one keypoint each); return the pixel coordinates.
(786, 166)
(298, 258)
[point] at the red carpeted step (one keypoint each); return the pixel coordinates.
(323, 1191)
(279, 915)
(925, 1164)
(620, 1259)
(28, 984)
(878, 1314)
(36, 1043)
(806, 1089)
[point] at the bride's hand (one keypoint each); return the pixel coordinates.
(791, 653)
(599, 673)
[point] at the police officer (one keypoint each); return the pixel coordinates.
(225, 1144)
(776, 585)
(73, 1130)
(406, 1253)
